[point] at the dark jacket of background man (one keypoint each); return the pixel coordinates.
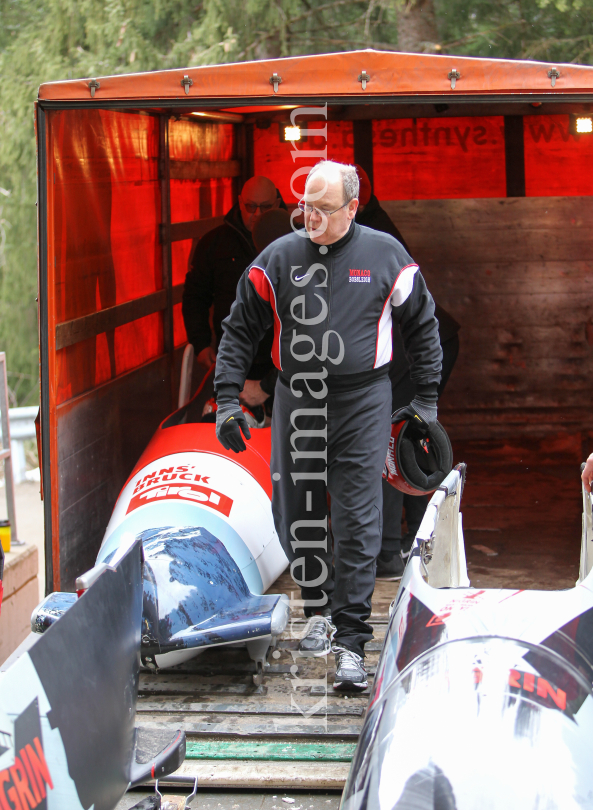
(216, 265)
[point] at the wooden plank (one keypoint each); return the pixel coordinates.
(519, 334)
(159, 686)
(493, 214)
(508, 311)
(265, 775)
(524, 406)
(436, 247)
(276, 727)
(71, 332)
(204, 169)
(490, 415)
(276, 751)
(177, 293)
(88, 326)
(460, 429)
(246, 708)
(514, 353)
(276, 690)
(516, 279)
(194, 229)
(556, 310)
(229, 668)
(495, 371)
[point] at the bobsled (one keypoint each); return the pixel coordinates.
(204, 517)
(68, 739)
(481, 698)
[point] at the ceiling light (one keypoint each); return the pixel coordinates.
(292, 133)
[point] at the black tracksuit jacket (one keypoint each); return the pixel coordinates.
(332, 310)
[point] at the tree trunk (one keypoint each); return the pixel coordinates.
(417, 27)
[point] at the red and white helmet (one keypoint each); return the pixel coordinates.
(418, 459)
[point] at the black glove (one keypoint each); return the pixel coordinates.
(421, 411)
(230, 421)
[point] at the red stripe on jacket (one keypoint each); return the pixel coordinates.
(263, 287)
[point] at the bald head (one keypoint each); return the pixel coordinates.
(257, 196)
(260, 187)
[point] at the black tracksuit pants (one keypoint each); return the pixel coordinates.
(337, 446)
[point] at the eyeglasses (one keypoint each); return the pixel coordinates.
(310, 209)
(263, 207)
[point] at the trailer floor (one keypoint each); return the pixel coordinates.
(522, 500)
(521, 515)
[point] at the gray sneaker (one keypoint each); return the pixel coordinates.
(318, 637)
(350, 674)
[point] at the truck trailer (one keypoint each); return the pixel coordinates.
(484, 166)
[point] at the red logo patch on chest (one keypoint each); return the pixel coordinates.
(360, 276)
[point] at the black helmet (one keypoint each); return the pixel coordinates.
(418, 459)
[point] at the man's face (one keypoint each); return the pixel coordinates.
(254, 202)
(327, 195)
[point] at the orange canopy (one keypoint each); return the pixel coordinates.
(335, 75)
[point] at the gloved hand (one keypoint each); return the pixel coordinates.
(230, 421)
(421, 411)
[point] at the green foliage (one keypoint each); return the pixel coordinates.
(45, 40)
(547, 30)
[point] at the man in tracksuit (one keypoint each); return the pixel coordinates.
(331, 293)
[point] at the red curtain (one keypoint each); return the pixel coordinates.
(191, 141)
(106, 217)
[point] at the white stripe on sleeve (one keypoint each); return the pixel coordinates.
(403, 285)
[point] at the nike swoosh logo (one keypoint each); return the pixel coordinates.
(300, 278)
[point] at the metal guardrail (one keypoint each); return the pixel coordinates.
(22, 428)
(6, 452)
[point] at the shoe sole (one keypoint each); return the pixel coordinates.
(349, 686)
(388, 578)
(310, 654)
